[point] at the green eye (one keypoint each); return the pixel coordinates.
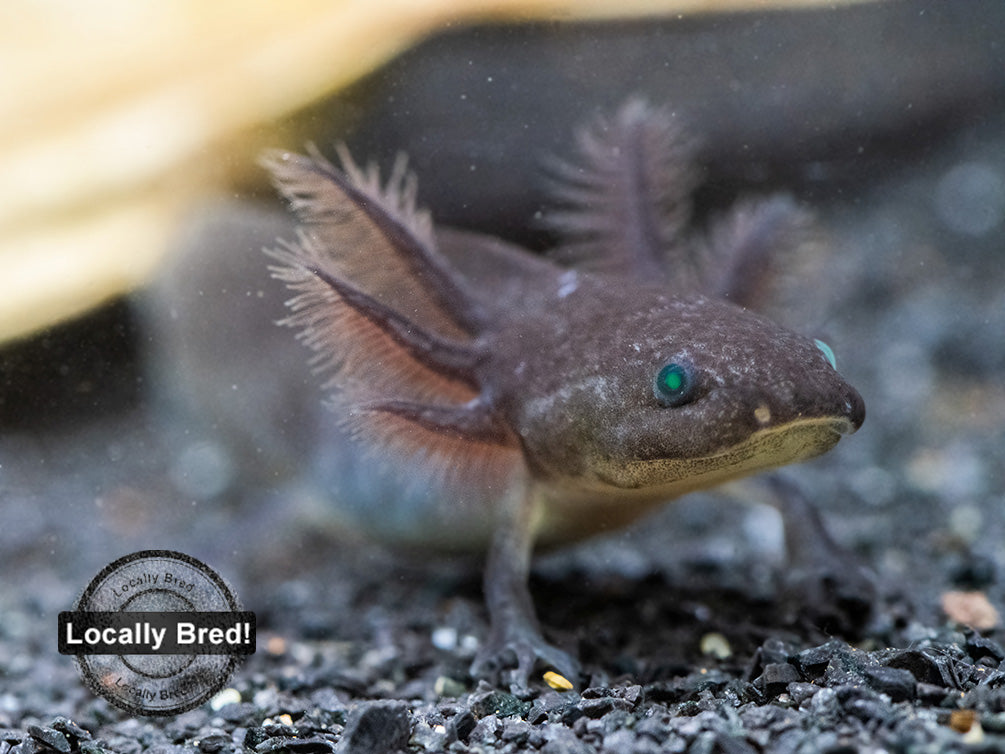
(828, 353)
(674, 385)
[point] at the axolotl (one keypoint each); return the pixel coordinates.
(502, 399)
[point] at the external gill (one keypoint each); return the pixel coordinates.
(378, 302)
(402, 230)
(473, 420)
(448, 357)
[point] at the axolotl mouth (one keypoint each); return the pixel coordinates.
(666, 478)
(618, 493)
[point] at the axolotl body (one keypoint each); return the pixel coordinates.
(499, 398)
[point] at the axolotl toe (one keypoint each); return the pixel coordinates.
(501, 398)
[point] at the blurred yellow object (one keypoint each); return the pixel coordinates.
(557, 682)
(113, 115)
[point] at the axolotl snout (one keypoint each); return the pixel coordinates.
(506, 399)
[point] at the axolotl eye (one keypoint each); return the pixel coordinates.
(676, 384)
(828, 352)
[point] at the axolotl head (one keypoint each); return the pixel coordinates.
(645, 395)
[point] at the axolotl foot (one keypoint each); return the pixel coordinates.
(832, 587)
(523, 642)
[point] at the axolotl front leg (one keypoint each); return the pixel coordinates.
(514, 626)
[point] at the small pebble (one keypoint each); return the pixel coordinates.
(962, 720)
(376, 727)
(276, 646)
(445, 638)
(50, 737)
(557, 681)
(716, 645)
(970, 609)
(70, 729)
(214, 743)
(225, 697)
(461, 725)
(445, 686)
(896, 683)
(776, 677)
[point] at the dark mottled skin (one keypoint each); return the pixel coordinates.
(505, 399)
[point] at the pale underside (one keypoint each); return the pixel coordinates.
(440, 518)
